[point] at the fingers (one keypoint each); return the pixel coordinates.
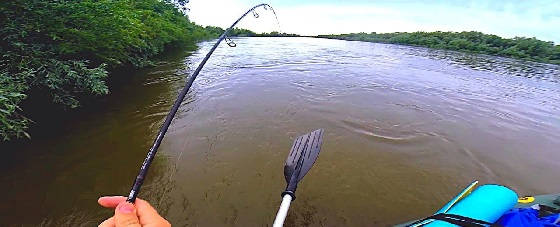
(125, 215)
(145, 212)
(108, 223)
(144, 208)
(111, 201)
(149, 215)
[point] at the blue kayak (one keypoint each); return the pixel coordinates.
(488, 204)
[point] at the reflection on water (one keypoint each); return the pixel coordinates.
(406, 128)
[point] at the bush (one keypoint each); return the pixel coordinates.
(11, 94)
(66, 47)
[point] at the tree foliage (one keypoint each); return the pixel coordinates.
(67, 47)
(477, 42)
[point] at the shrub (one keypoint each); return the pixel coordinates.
(67, 47)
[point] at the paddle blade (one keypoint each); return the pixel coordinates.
(303, 154)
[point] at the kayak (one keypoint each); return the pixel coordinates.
(488, 204)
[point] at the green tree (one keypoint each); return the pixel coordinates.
(67, 48)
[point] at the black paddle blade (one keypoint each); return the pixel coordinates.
(305, 151)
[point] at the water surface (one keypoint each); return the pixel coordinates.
(406, 129)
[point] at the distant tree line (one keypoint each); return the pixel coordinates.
(277, 34)
(477, 42)
(241, 32)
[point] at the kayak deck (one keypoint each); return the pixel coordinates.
(551, 200)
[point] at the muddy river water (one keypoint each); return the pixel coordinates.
(406, 128)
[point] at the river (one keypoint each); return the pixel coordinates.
(406, 128)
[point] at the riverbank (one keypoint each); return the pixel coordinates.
(63, 52)
(472, 42)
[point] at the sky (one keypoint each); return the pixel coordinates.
(507, 18)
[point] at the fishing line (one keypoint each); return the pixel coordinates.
(153, 150)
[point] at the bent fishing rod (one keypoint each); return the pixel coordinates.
(301, 158)
(153, 150)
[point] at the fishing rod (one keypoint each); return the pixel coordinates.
(153, 150)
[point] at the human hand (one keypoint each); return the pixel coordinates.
(140, 214)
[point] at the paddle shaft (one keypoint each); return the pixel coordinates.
(288, 195)
(153, 150)
(283, 211)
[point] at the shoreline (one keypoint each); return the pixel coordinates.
(528, 49)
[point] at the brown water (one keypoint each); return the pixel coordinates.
(406, 129)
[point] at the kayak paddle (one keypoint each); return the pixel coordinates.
(303, 154)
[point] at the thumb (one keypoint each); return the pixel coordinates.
(125, 215)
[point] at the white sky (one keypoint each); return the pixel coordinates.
(506, 18)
